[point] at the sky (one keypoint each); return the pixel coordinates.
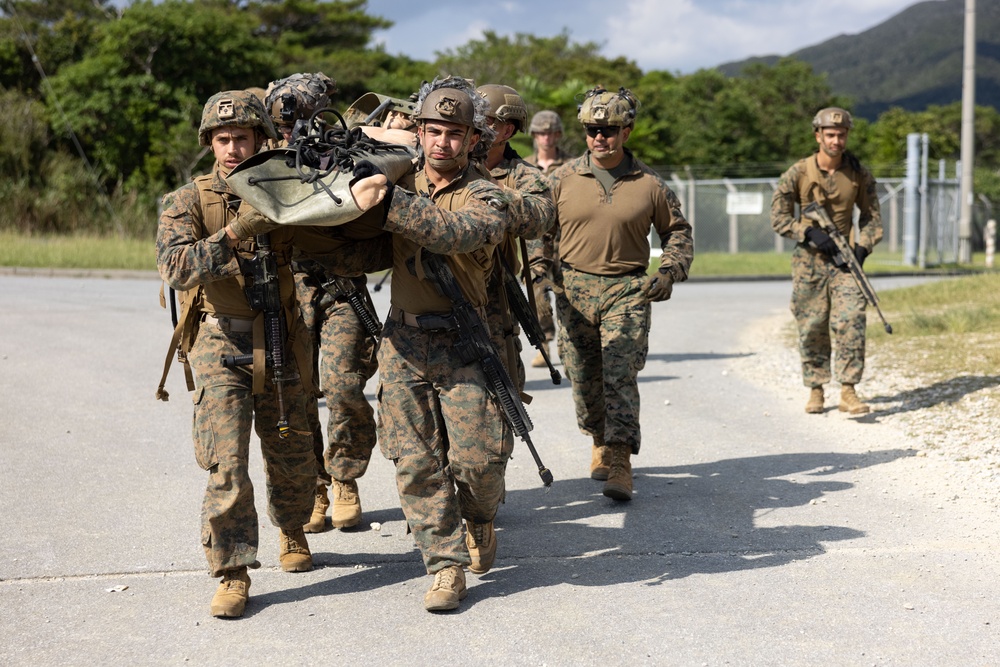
(679, 36)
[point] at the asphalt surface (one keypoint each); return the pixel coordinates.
(758, 535)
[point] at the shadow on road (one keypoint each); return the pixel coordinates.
(699, 519)
(685, 520)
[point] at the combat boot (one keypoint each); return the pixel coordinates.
(481, 540)
(231, 596)
(295, 555)
(346, 504)
(539, 360)
(448, 589)
(619, 484)
(850, 403)
(815, 404)
(317, 523)
(600, 460)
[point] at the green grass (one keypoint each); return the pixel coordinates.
(94, 252)
(943, 326)
(780, 264)
(76, 252)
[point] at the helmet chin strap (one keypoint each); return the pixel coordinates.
(457, 162)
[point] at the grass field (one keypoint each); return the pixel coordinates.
(90, 252)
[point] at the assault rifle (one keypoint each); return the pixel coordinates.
(264, 294)
(845, 256)
(525, 315)
(476, 345)
(344, 288)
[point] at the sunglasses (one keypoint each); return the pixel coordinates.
(607, 130)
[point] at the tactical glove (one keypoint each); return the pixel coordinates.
(659, 286)
(822, 241)
(250, 222)
(364, 169)
(860, 253)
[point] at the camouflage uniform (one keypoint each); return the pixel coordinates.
(603, 315)
(537, 213)
(538, 251)
(345, 353)
(436, 420)
(191, 254)
(826, 301)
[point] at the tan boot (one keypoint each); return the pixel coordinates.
(850, 403)
(600, 461)
(481, 540)
(619, 484)
(231, 596)
(295, 555)
(447, 590)
(539, 360)
(346, 504)
(317, 523)
(815, 404)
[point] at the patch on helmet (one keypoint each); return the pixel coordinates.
(599, 113)
(447, 106)
(837, 117)
(226, 109)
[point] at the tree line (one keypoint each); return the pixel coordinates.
(101, 104)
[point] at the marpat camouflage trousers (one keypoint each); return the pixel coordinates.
(346, 358)
(440, 426)
(603, 340)
(828, 307)
(224, 411)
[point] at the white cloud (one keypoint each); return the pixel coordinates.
(674, 35)
(683, 35)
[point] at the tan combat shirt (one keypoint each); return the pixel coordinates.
(838, 191)
(608, 233)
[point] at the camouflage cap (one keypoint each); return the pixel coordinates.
(233, 108)
(505, 104)
(601, 107)
(833, 117)
(298, 96)
(545, 121)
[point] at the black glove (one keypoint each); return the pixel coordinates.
(822, 241)
(364, 169)
(860, 253)
(659, 286)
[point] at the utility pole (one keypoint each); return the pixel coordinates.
(968, 134)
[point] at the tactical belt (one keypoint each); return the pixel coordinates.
(230, 324)
(633, 272)
(427, 321)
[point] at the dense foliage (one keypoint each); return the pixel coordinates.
(102, 103)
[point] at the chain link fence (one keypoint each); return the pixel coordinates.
(734, 215)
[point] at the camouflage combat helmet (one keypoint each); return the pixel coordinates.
(601, 107)
(233, 108)
(454, 99)
(447, 104)
(833, 117)
(545, 121)
(505, 104)
(297, 96)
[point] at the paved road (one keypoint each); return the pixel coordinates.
(758, 535)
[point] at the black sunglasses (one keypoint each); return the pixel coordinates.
(607, 130)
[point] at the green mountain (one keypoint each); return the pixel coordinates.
(912, 60)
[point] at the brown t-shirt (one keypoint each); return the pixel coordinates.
(608, 233)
